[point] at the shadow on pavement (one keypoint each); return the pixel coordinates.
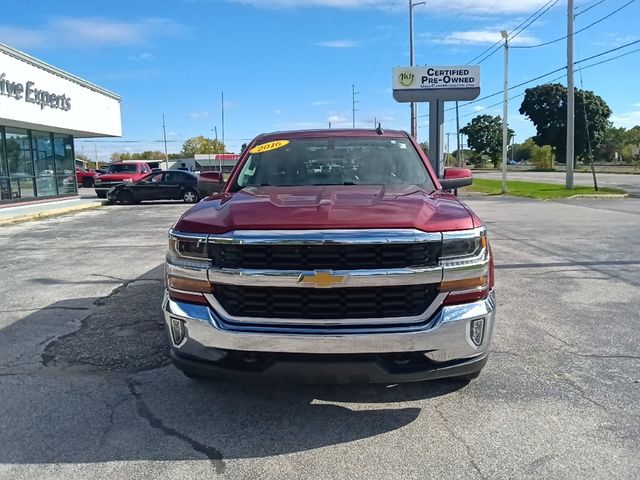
(106, 392)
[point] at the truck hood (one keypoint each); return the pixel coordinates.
(327, 207)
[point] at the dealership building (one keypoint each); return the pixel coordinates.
(42, 110)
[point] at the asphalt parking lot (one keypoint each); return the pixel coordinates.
(86, 390)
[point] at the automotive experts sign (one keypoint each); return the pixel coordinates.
(33, 95)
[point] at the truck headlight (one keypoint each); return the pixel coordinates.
(188, 251)
(186, 269)
(466, 266)
(464, 247)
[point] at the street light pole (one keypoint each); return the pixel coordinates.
(570, 98)
(166, 155)
(505, 111)
(414, 106)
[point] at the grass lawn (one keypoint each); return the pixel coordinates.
(543, 191)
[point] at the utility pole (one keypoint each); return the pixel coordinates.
(166, 155)
(459, 152)
(353, 104)
(571, 107)
(95, 152)
(414, 106)
(446, 158)
(224, 147)
(505, 111)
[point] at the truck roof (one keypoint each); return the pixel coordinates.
(330, 133)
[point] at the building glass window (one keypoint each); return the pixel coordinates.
(18, 149)
(65, 164)
(44, 163)
(5, 185)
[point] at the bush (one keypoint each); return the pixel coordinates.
(542, 157)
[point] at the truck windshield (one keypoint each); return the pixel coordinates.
(122, 168)
(334, 161)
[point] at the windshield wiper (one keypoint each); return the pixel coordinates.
(331, 184)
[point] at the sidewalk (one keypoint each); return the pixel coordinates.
(34, 211)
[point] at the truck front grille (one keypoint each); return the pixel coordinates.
(317, 257)
(333, 303)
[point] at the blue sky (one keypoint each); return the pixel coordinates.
(290, 64)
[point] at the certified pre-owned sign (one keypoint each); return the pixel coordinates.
(422, 84)
(437, 77)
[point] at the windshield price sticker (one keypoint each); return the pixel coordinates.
(267, 147)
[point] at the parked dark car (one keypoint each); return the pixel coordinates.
(168, 185)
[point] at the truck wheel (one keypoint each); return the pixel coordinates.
(190, 196)
(467, 378)
(101, 194)
(126, 197)
(195, 376)
(87, 182)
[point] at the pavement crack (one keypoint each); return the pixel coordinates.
(507, 352)
(461, 440)
(595, 355)
(154, 422)
(52, 307)
(582, 393)
(555, 337)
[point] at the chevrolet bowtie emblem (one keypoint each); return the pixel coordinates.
(321, 278)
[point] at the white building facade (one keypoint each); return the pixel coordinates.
(42, 109)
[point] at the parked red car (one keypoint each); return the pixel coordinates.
(84, 177)
(117, 173)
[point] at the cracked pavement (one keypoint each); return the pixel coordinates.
(86, 390)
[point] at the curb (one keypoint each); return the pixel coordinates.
(48, 214)
(603, 196)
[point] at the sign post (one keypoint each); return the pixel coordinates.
(436, 85)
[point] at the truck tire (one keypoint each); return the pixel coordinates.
(101, 194)
(467, 378)
(195, 376)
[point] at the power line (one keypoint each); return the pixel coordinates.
(579, 69)
(550, 42)
(546, 9)
(516, 31)
(556, 71)
(587, 8)
(126, 141)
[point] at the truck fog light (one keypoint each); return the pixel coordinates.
(177, 330)
(477, 331)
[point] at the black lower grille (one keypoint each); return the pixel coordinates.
(336, 257)
(331, 303)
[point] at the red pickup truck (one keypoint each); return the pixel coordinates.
(117, 173)
(336, 255)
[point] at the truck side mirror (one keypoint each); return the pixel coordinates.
(456, 178)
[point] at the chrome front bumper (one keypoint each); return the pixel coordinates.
(445, 337)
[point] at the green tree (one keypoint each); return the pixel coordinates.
(484, 136)
(546, 106)
(524, 151)
(201, 144)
